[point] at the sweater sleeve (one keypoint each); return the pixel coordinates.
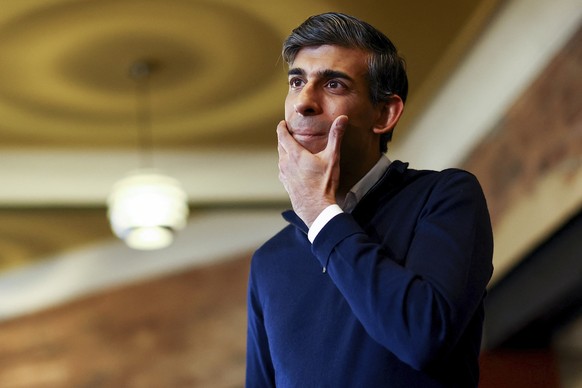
(416, 306)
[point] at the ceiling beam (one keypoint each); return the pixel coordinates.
(85, 177)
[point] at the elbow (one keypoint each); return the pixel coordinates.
(422, 355)
(429, 338)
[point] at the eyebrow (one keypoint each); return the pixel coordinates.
(325, 74)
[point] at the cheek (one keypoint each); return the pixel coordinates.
(358, 140)
(288, 108)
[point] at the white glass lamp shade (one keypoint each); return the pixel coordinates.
(146, 208)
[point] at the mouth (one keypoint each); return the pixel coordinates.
(311, 135)
(314, 142)
(307, 135)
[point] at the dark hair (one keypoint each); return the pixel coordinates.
(386, 68)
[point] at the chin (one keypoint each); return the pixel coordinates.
(312, 145)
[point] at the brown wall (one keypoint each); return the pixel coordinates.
(187, 330)
(539, 134)
(511, 368)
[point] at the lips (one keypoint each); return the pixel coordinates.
(307, 131)
(307, 135)
(311, 135)
(314, 142)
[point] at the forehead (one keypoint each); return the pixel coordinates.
(352, 61)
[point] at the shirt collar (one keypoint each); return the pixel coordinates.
(366, 183)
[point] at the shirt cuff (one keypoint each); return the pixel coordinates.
(322, 219)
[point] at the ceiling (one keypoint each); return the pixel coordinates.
(68, 105)
(219, 79)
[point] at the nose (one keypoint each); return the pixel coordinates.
(307, 102)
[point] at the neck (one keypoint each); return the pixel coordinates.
(351, 174)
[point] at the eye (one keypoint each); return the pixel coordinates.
(335, 85)
(295, 83)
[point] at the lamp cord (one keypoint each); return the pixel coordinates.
(140, 72)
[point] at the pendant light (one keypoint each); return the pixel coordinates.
(146, 207)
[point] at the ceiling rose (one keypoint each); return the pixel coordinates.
(77, 55)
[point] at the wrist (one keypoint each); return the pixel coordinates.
(310, 211)
(322, 219)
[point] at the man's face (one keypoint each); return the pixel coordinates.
(324, 83)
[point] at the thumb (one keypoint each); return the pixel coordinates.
(336, 133)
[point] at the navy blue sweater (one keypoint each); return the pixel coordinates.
(400, 303)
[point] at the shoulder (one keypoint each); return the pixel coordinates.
(411, 174)
(276, 252)
(459, 182)
(400, 174)
(274, 244)
(423, 191)
(453, 180)
(454, 194)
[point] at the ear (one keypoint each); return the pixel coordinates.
(389, 114)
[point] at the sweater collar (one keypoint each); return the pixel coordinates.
(364, 185)
(291, 217)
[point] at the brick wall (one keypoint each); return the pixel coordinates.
(186, 330)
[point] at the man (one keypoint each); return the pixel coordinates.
(379, 279)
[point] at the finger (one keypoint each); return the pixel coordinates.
(282, 152)
(284, 138)
(282, 132)
(336, 134)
